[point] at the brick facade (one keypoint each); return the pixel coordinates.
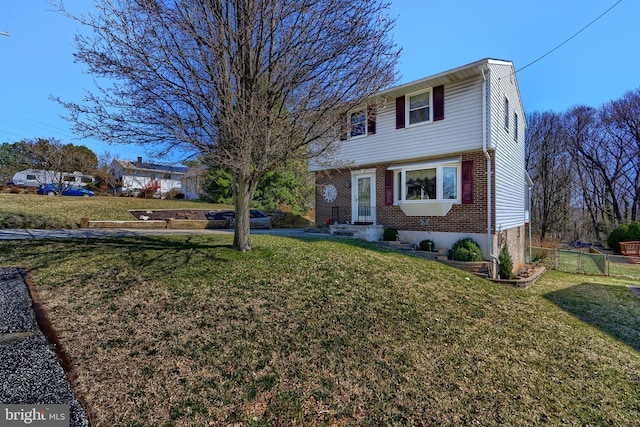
(462, 218)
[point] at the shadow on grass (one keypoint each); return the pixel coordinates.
(11, 220)
(614, 310)
(162, 252)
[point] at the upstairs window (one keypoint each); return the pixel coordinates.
(427, 106)
(358, 124)
(515, 126)
(419, 110)
(506, 113)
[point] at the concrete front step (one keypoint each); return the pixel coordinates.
(403, 246)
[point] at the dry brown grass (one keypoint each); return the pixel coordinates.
(185, 331)
(36, 211)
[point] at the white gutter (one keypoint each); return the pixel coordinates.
(496, 262)
(529, 207)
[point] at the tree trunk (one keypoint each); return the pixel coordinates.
(243, 194)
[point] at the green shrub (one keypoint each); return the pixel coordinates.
(505, 268)
(427, 245)
(466, 250)
(624, 233)
(390, 234)
(634, 231)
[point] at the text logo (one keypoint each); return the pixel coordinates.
(34, 415)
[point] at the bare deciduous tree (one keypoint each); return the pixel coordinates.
(621, 119)
(603, 178)
(248, 84)
(60, 160)
(550, 166)
(601, 162)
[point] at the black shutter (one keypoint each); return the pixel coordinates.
(467, 182)
(400, 112)
(343, 127)
(371, 120)
(438, 103)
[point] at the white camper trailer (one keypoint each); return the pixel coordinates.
(37, 177)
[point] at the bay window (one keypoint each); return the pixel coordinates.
(429, 188)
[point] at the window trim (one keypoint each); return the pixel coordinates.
(399, 178)
(408, 107)
(365, 123)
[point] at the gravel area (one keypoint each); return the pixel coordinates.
(15, 303)
(30, 372)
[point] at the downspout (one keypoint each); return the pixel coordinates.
(530, 222)
(494, 259)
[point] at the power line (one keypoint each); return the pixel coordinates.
(58, 131)
(570, 38)
(36, 123)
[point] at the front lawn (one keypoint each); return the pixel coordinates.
(186, 331)
(36, 211)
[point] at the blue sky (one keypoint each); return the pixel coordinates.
(595, 67)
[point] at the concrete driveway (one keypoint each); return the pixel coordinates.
(87, 233)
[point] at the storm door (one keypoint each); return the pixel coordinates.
(363, 197)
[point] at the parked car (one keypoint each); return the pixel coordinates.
(220, 219)
(257, 219)
(227, 219)
(52, 190)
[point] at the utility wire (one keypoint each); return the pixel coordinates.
(569, 39)
(58, 131)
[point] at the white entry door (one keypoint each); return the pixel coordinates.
(363, 197)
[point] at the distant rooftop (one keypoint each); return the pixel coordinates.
(140, 165)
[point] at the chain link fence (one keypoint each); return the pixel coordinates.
(582, 262)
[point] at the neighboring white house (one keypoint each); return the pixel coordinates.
(440, 158)
(132, 177)
(193, 181)
(37, 177)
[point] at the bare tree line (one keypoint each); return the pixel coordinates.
(585, 164)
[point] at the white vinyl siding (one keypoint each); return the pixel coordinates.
(509, 152)
(461, 130)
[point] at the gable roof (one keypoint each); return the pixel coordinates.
(463, 72)
(151, 167)
(460, 73)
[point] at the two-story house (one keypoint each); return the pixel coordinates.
(441, 158)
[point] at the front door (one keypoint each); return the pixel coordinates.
(363, 197)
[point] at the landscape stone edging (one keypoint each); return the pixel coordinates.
(176, 224)
(523, 282)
